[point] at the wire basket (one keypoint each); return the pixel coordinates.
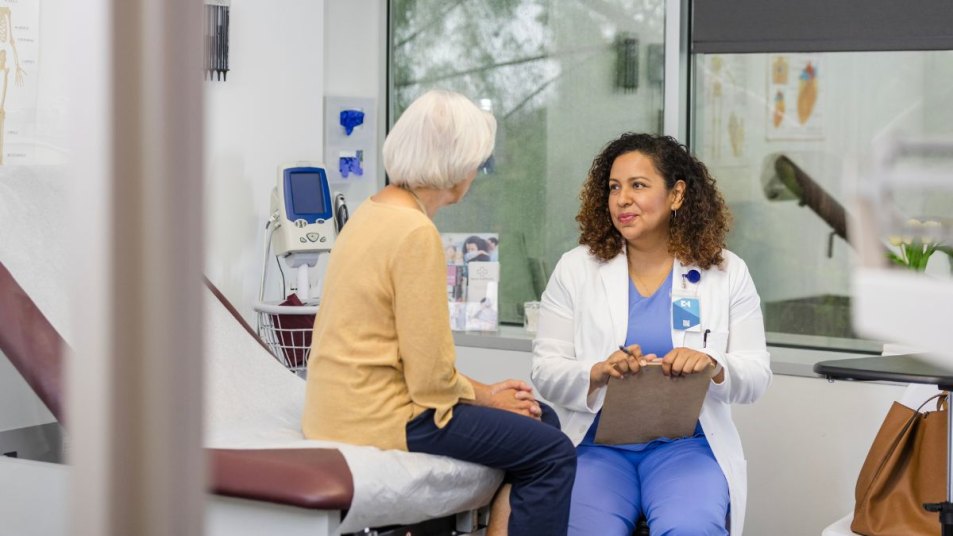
(287, 329)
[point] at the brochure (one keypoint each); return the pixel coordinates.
(473, 280)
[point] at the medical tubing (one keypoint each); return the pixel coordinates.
(269, 230)
(281, 271)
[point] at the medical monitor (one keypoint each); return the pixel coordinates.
(307, 194)
(304, 212)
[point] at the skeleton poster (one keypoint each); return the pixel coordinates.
(19, 63)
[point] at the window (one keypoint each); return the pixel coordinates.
(563, 78)
(759, 118)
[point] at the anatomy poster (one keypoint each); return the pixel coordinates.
(795, 103)
(725, 116)
(19, 52)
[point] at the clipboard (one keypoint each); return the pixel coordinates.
(648, 405)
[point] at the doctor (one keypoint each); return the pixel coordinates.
(653, 226)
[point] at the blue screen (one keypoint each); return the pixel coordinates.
(306, 193)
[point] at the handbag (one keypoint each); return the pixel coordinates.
(905, 468)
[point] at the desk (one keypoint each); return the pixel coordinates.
(897, 368)
(907, 369)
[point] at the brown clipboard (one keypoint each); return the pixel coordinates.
(650, 405)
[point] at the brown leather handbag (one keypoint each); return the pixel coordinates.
(905, 468)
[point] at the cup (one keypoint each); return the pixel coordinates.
(531, 316)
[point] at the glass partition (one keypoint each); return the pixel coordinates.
(781, 133)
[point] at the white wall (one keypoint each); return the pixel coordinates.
(355, 65)
(267, 113)
(805, 441)
(283, 61)
(39, 506)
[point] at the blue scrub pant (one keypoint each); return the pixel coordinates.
(678, 486)
(539, 460)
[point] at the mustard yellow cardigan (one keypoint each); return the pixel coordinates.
(382, 351)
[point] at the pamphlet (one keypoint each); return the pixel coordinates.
(473, 280)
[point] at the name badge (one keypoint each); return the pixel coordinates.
(686, 313)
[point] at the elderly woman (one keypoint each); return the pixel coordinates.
(382, 368)
(653, 227)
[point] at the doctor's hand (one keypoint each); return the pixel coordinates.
(618, 365)
(684, 361)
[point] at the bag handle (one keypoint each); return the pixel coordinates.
(942, 403)
(941, 398)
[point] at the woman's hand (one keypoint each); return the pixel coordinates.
(509, 395)
(617, 365)
(516, 401)
(684, 361)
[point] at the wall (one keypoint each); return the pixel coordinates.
(270, 111)
(805, 441)
(355, 65)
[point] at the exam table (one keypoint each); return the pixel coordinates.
(268, 467)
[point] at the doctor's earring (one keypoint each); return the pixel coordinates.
(674, 213)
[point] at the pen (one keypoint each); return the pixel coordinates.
(705, 338)
(625, 351)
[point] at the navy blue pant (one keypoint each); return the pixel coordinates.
(539, 460)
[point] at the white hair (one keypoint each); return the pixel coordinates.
(439, 140)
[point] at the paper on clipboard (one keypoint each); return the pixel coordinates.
(648, 405)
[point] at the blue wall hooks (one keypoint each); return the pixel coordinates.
(350, 119)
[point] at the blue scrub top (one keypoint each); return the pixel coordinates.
(650, 326)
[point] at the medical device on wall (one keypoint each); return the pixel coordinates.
(305, 220)
(305, 226)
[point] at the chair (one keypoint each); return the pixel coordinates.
(641, 528)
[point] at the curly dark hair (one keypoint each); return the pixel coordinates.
(696, 234)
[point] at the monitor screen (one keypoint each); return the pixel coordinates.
(306, 193)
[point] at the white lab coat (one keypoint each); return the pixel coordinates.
(584, 317)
